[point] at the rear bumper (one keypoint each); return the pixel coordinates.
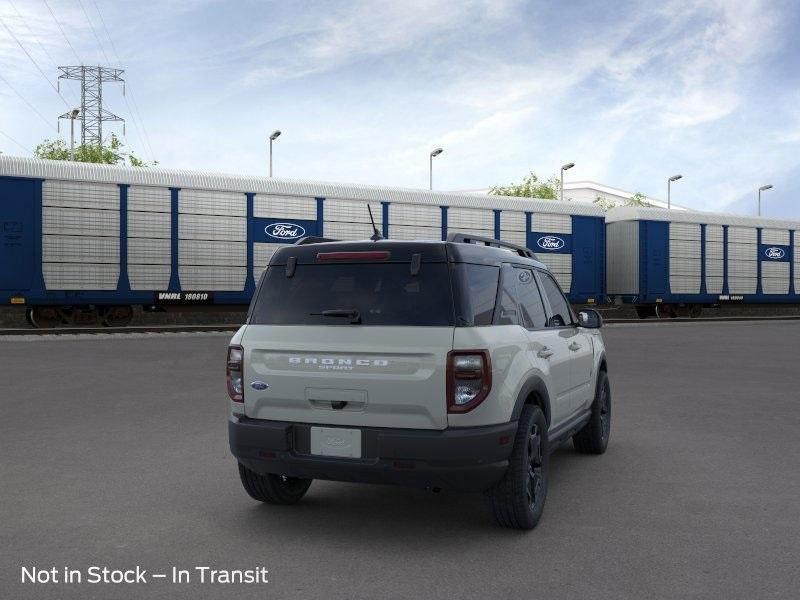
(463, 459)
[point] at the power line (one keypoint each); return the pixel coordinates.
(21, 97)
(15, 141)
(33, 35)
(135, 114)
(28, 54)
(66, 39)
(97, 37)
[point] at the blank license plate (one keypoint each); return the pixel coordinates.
(333, 441)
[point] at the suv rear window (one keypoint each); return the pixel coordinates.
(381, 294)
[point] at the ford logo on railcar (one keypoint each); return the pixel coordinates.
(285, 231)
(550, 242)
(775, 253)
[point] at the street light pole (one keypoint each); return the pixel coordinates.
(435, 152)
(274, 136)
(564, 168)
(669, 183)
(763, 188)
(72, 115)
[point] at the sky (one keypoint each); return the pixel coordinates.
(632, 92)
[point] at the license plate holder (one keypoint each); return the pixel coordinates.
(336, 441)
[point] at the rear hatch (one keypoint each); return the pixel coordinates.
(357, 337)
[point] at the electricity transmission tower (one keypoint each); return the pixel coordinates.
(92, 113)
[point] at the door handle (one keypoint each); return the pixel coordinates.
(574, 346)
(545, 352)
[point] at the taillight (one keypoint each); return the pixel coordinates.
(234, 373)
(469, 379)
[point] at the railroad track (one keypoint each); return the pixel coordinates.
(231, 328)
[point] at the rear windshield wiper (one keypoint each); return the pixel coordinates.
(345, 313)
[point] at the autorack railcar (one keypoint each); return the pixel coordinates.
(86, 242)
(673, 263)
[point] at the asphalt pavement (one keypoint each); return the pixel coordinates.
(114, 453)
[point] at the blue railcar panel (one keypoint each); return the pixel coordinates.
(775, 252)
(18, 233)
(124, 284)
(653, 260)
(587, 245)
(559, 243)
(280, 231)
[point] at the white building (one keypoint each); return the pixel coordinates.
(589, 191)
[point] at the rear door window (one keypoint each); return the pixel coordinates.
(380, 294)
(530, 300)
(560, 312)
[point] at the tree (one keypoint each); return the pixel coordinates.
(606, 203)
(112, 154)
(531, 187)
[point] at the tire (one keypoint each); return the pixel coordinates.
(273, 489)
(593, 438)
(517, 501)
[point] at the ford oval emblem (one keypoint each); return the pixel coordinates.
(550, 242)
(259, 385)
(285, 231)
(775, 253)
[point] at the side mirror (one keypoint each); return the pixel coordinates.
(590, 319)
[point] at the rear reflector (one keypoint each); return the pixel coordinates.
(368, 255)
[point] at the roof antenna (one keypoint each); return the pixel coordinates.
(375, 236)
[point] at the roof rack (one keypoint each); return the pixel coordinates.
(313, 239)
(466, 238)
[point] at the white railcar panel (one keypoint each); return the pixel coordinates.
(796, 252)
(551, 223)
(684, 266)
(77, 221)
(487, 233)
(80, 249)
(512, 220)
(714, 233)
(196, 278)
(515, 237)
(470, 219)
(742, 285)
(684, 284)
(207, 227)
(742, 235)
(715, 249)
(348, 231)
(775, 277)
(80, 194)
(207, 202)
(149, 225)
(742, 268)
(745, 252)
(560, 265)
(284, 207)
(148, 277)
(411, 232)
(146, 251)
(684, 231)
(684, 249)
(415, 214)
(262, 253)
(714, 285)
(714, 267)
(80, 276)
(209, 253)
(352, 211)
(149, 199)
(775, 236)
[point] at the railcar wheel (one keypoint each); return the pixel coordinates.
(696, 311)
(45, 317)
(117, 316)
(28, 318)
(645, 311)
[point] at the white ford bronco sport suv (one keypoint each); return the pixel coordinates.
(447, 365)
